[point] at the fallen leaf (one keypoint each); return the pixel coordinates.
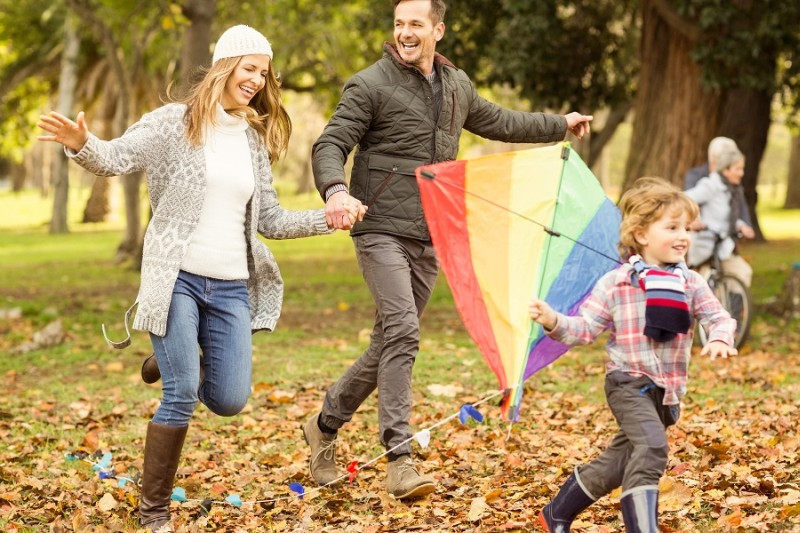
(477, 509)
(107, 502)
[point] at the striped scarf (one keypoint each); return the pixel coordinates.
(666, 311)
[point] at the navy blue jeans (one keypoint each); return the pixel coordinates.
(209, 317)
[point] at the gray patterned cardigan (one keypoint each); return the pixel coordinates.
(176, 181)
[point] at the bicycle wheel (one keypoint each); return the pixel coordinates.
(735, 298)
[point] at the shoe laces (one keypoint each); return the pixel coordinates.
(327, 449)
(407, 466)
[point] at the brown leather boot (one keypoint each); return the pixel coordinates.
(150, 371)
(162, 451)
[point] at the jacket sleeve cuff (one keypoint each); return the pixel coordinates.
(333, 189)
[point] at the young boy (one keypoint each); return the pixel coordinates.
(647, 304)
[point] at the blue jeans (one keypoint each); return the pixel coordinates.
(214, 314)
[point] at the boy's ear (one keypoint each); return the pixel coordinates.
(640, 237)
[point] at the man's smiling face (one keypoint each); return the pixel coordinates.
(415, 34)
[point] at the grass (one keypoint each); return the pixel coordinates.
(326, 310)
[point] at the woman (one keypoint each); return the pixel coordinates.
(719, 198)
(207, 279)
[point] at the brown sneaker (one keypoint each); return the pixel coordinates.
(322, 463)
(150, 371)
(404, 481)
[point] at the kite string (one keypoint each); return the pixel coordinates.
(109, 474)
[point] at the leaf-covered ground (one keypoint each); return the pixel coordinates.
(734, 462)
(733, 466)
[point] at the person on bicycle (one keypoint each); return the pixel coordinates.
(719, 196)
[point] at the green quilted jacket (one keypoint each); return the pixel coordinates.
(388, 111)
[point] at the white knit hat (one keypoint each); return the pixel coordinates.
(240, 40)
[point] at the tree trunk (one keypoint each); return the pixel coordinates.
(66, 96)
(98, 206)
(196, 40)
(675, 115)
(124, 76)
(305, 179)
(38, 167)
(787, 304)
(746, 119)
(793, 178)
(131, 244)
(17, 177)
(599, 138)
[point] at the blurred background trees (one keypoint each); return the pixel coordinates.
(674, 73)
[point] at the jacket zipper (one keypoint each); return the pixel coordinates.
(453, 115)
(382, 186)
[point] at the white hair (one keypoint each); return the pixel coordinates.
(727, 158)
(719, 145)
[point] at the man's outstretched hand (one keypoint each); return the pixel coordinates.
(578, 124)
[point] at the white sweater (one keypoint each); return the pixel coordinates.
(176, 183)
(218, 248)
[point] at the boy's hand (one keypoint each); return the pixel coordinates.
(718, 349)
(542, 313)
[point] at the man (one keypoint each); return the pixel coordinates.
(406, 110)
(717, 146)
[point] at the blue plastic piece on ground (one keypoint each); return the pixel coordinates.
(468, 411)
(104, 463)
(234, 500)
(178, 494)
(298, 488)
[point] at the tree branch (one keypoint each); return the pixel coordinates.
(26, 67)
(600, 138)
(86, 11)
(685, 27)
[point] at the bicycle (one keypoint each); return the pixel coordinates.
(731, 292)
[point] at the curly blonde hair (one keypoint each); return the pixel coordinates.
(265, 114)
(643, 204)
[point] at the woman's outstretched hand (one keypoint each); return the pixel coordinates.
(72, 134)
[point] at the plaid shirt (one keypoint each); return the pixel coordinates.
(616, 304)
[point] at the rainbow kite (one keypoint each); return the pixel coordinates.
(511, 225)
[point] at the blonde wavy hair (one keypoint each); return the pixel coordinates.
(646, 202)
(265, 113)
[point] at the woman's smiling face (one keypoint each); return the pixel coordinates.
(245, 81)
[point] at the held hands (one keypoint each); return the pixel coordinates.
(716, 349)
(578, 124)
(71, 134)
(342, 210)
(542, 313)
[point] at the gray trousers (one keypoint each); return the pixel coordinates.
(400, 273)
(637, 456)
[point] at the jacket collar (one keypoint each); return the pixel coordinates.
(391, 49)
